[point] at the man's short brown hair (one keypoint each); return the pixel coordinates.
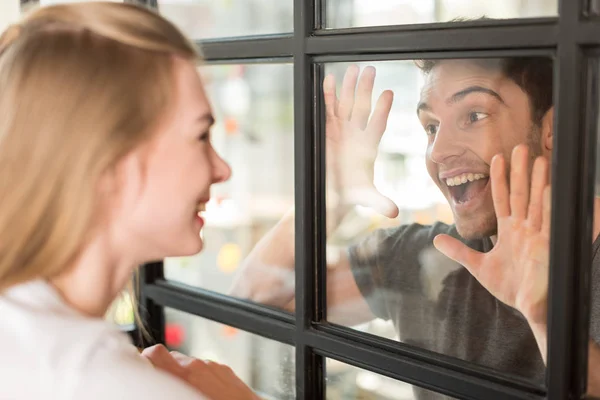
(532, 74)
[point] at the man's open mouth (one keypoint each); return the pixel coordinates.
(465, 187)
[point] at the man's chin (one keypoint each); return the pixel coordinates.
(475, 230)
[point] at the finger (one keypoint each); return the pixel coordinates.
(499, 187)
(519, 182)
(180, 357)
(371, 198)
(347, 93)
(459, 252)
(364, 91)
(186, 361)
(160, 357)
(330, 97)
(378, 123)
(223, 371)
(196, 371)
(547, 206)
(291, 306)
(199, 374)
(539, 180)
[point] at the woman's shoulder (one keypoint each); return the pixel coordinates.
(34, 313)
(71, 356)
(43, 340)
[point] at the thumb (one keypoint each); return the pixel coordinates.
(371, 198)
(459, 252)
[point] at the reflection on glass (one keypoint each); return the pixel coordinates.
(356, 13)
(253, 107)
(345, 382)
(448, 119)
(203, 19)
(266, 366)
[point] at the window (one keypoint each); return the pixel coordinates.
(419, 296)
(355, 13)
(346, 382)
(253, 106)
(432, 332)
(201, 19)
(265, 365)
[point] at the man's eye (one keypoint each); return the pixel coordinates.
(477, 116)
(431, 129)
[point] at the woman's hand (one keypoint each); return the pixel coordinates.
(215, 381)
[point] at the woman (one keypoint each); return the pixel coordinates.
(105, 164)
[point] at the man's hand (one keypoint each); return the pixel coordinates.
(352, 141)
(516, 270)
(267, 275)
(215, 381)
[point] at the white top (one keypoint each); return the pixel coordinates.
(50, 351)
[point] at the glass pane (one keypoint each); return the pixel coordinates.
(356, 13)
(50, 2)
(346, 382)
(203, 19)
(593, 370)
(594, 7)
(385, 276)
(253, 106)
(265, 365)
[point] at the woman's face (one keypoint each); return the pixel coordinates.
(166, 182)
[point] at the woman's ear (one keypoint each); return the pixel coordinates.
(120, 186)
(548, 130)
(107, 185)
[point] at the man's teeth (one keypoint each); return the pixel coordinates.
(201, 207)
(464, 178)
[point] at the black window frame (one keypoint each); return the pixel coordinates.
(572, 39)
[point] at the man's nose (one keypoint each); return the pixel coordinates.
(446, 144)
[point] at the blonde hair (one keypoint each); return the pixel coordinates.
(81, 85)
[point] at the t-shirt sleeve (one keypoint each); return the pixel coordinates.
(115, 372)
(387, 264)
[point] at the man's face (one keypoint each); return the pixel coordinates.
(470, 114)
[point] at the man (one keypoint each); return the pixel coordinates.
(492, 311)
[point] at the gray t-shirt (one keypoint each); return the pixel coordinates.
(436, 304)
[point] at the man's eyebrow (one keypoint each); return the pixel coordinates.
(422, 106)
(458, 96)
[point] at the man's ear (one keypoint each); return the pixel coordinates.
(548, 129)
